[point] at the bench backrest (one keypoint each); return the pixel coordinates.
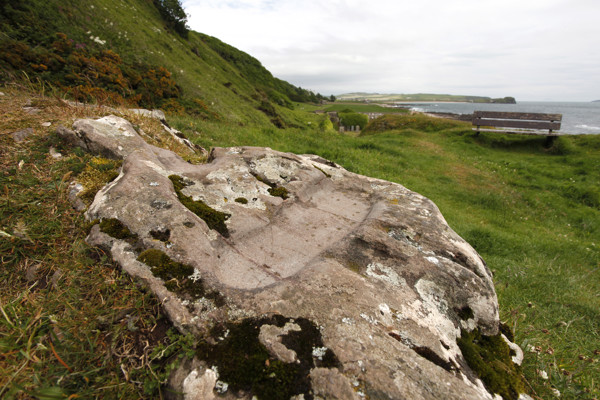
(517, 120)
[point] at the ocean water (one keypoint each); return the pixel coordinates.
(578, 118)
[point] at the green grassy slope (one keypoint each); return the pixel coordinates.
(233, 85)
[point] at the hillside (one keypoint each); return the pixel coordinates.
(111, 51)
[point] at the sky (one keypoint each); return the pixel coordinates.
(544, 50)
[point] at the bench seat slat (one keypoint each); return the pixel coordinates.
(517, 124)
(530, 132)
(517, 115)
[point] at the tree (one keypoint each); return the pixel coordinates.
(174, 16)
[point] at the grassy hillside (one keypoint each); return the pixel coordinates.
(216, 81)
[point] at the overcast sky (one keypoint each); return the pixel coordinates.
(529, 49)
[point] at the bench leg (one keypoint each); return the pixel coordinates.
(549, 141)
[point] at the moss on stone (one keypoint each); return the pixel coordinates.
(324, 173)
(161, 234)
(354, 267)
(87, 227)
(213, 218)
(177, 277)
(115, 228)
(489, 357)
(96, 174)
(465, 313)
(246, 365)
(279, 192)
(505, 329)
(162, 265)
(275, 191)
(241, 200)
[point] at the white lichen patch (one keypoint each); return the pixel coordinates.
(197, 387)
(433, 260)
(385, 274)
(275, 169)
(222, 190)
(270, 337)
(431, 312)
(196, 276)
(319, 352)
(369, 319)
(123, 126)
(221, 386)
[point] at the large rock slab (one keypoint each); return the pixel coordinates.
(373, 266)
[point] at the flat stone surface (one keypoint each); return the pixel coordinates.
(22, 134)
(374, 265)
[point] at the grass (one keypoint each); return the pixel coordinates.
(71, 323)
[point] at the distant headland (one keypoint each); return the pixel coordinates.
(422, 97)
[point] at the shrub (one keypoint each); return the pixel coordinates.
(353, 119)
(89, 74)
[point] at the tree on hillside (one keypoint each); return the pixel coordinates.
(173, 14)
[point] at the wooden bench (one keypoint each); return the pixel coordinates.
(518, 123)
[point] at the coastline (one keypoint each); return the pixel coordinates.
(579, 118)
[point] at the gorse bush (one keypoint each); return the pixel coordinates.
(90, 74)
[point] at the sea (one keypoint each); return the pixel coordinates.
(578, 118)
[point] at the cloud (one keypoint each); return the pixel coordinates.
(535, 49)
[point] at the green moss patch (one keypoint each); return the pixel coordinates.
(96, 174)
(246, 365)
(241, 200)
(324, 173)
(505, 329)
(178, 277)
(465, 313)
(161, 234)
(489, 357)
(213, 218)
(275, 191)
(279, 192)
(115, 228)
